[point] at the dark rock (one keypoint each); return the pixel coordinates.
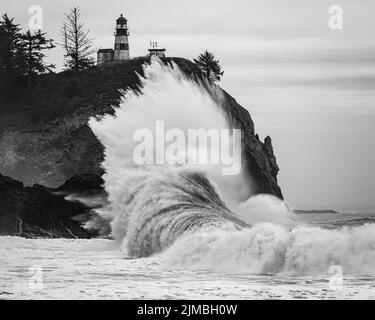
(82, 184)
(36, 212)
(268, 150)
(259, 157)
(7, 182)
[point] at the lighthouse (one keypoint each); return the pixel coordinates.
(121, 48)
(121, 40)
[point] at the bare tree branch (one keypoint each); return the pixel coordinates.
(76, 42)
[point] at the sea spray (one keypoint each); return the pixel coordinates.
(266, 208)
(267, 248)
(160, 191)
(192, 215)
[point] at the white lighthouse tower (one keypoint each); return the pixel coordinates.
(121, 40)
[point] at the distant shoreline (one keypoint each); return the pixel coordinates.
(317, 211)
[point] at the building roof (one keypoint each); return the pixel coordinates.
(105, 50)
(156, 49)
(121, 19)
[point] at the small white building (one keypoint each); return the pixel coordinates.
(121, 47)
(105, 55)
(155, 51)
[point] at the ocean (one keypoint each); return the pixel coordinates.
(99, 269)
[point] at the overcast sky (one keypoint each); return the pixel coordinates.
(309, 87)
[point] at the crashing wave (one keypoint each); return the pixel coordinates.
(192, 214)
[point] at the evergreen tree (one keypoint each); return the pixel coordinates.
(12, 62)
(35, 45)
(209, 66)
(77, 44)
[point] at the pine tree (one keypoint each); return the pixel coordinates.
(12, 62)
(209, 66)
(77, 44)
(35, 45)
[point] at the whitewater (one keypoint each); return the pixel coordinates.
(187, 230)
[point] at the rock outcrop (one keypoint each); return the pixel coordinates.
(82, 184)
(37, 212)
(259, 158)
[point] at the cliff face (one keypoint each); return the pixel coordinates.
(54, 142)
(259, 158)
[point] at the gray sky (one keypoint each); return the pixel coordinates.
(311, 88)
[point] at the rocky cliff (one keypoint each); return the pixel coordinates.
(50, 140)
(46, 141)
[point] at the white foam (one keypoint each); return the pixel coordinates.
(271, 249)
